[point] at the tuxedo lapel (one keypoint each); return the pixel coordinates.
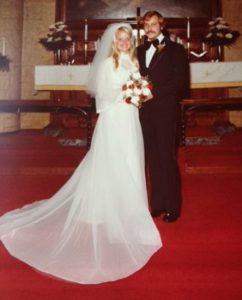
(157, 56)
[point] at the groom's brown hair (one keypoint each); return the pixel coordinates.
(149, 14)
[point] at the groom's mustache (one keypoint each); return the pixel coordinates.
(150, 32)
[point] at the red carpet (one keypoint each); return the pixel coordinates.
(224, 157)
(30, 152)
(201, 258)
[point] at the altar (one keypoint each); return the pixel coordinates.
(202, 74)
(74, 77)
(216, 74)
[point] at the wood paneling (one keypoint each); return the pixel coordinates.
(176, 28)
(74, 10)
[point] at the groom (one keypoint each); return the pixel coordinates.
(166, 65)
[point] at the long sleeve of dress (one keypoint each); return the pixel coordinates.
(109, 85)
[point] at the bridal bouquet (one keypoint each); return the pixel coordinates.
(137, 90)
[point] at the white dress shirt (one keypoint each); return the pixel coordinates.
(151, 51)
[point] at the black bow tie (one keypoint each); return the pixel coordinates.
(155, 43)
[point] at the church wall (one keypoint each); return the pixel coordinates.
(23, 22)
(38, 16)
(11, 25)
(232, 10)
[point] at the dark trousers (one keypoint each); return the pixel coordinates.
(160, 151)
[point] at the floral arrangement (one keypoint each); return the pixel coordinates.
(137, 90)
(58, 37)
(220, 34)
(4, 63)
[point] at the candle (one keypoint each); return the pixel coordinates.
(3, 46)
(188, 28)
(85, 31)
(203, 47)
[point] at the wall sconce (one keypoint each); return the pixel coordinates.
(4, 60)
(4, 63)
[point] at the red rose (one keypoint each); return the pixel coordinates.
(132, 86)
(142, 97)
(150, 86)
(128, 100)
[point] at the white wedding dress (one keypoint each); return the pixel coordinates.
(97, 227)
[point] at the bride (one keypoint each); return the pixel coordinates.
(97, 227)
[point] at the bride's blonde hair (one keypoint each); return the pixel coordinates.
(131, 51)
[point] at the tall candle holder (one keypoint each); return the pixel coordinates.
(4, 60)
(188, 36)
(188, 49)
(71, 54)
(3, 46)
(85, 41)
(196, 54)
(200, 54)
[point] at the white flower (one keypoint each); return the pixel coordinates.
(229, 35)
(62, 27)
(223, 22)
(68, 38)
(209, 35)
(146, 92)
(128, 92)
(144, 82)
(135, 100)
(59, 23)
(58, 39)
(211, 23)
(221, 26)
(137, 91)
(129, 82)
(220, 34)
(136, 76)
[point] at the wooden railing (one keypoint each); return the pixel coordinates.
(84, 109)
(206, 104)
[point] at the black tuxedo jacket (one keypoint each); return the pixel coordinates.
(169, 73)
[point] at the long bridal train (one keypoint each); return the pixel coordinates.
(97, 227)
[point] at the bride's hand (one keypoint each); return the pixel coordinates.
(148, 98)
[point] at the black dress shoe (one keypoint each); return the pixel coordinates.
(156, 213)
(168, 217)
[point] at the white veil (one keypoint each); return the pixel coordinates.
(104, 51)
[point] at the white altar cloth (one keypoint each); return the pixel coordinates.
(216, 74)
(61, 77)
(74, 77)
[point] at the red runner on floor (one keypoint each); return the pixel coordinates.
(201, 258)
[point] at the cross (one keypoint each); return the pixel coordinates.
(70, 76)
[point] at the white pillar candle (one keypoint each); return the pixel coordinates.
(85, 31)
(188, 28)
